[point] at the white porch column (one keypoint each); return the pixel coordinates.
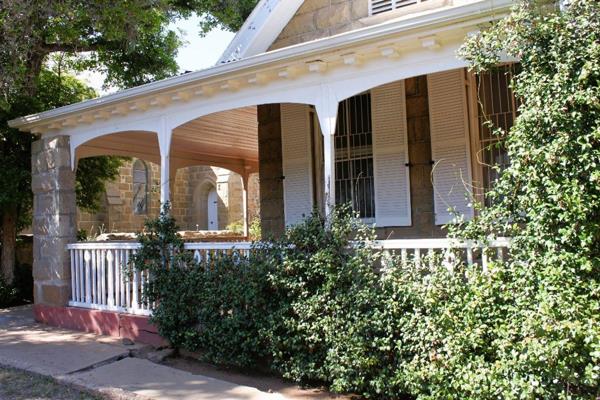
(164, 140)
(245, 202)
(327, 109)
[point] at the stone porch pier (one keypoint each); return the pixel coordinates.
(54, 219)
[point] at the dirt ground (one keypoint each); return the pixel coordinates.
(18, 385)
(255, 379)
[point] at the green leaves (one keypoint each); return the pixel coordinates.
(551, 193)
(91, 178)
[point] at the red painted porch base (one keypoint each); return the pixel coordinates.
(134, 327)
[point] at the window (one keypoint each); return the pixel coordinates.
(499, 106)
(140, 187)
(381, 6)
(354, 156)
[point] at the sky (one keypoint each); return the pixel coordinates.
(196, 53)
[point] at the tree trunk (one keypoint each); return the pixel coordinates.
(9, 243)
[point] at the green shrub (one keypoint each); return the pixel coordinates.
(316, 311)
(236, 227)
(170, 289)
(217, 306)
(234, 304)
(324, 291)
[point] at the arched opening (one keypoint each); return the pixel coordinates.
(131, 197)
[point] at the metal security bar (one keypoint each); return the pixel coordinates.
(498, 106)
(354, 181)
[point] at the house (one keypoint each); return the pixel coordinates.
(363, 101)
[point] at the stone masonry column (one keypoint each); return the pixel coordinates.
(272, 218)
(54, 219)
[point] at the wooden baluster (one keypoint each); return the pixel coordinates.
(469, 255)
(431, 254)
(88, 277)
(500, 253)
(448, 259)
(103, 275)
(122, 278)
(97, 266)
(386, 257)
(71, 257)
(80, 283)
(128, 284)
(417, 257)
(111, 278)
(118, 278)
(403, 257)
(98, 280)
(484, 259)
(135, 305)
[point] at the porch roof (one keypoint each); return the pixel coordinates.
(383, 40)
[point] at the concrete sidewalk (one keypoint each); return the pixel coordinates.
(104, 364)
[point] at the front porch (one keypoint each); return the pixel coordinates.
(384, 117)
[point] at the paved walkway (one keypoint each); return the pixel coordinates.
(104, 364)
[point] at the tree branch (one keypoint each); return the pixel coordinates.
(70, 47)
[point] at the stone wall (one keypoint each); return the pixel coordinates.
(271, 170)
(116, 213)
(188, 197)
(316, 19)
(54, 214)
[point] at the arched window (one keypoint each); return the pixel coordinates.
(140, 188)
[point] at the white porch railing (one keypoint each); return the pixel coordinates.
(98, 280)
(450, 250)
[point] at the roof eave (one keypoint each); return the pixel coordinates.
(446, 16)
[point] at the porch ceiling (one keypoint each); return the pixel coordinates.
(227, 139)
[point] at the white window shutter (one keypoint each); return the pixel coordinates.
(390, 155)
(449, 127)
(295, 142)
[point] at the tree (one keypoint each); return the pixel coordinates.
(54, 89)
(127, 40)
